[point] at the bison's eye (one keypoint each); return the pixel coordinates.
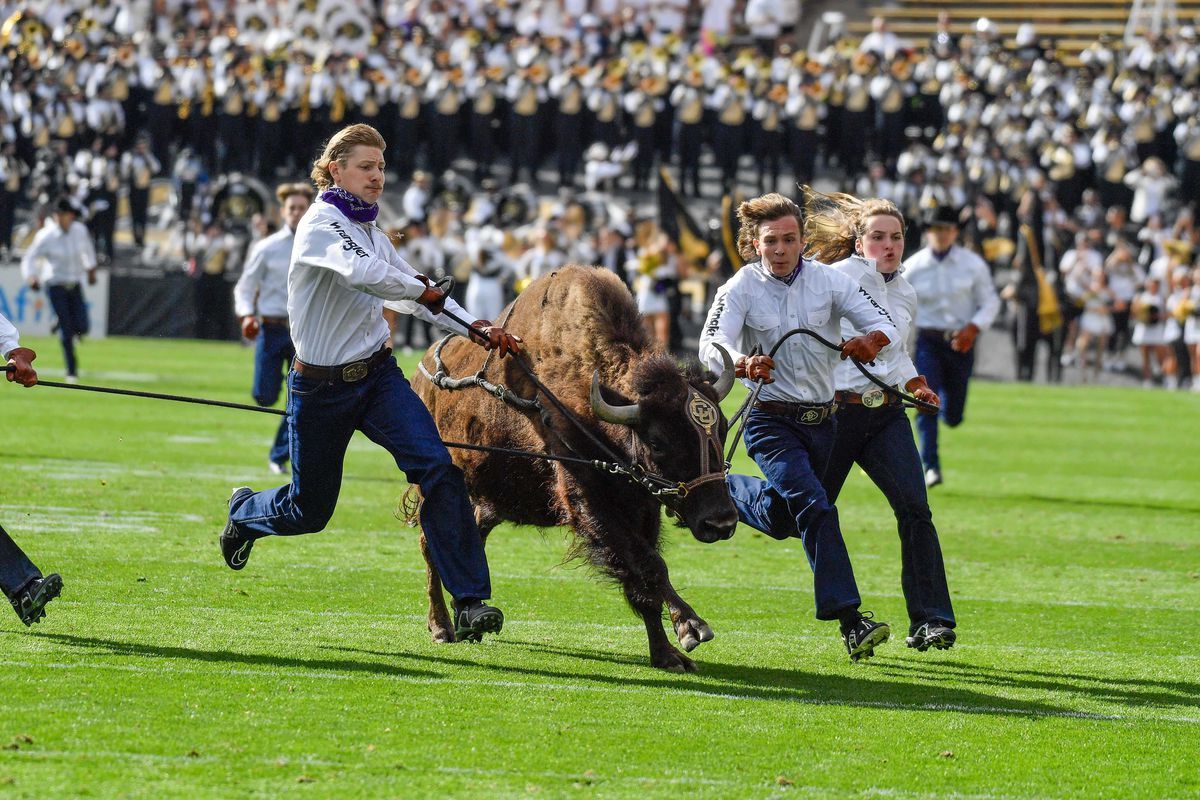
(658, 445)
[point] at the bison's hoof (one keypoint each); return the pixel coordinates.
(693, 633)
(673, 661)
(442, 635)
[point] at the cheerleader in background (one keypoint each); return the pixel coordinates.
(1095, 324)
(1191, 328)
(1149, 333)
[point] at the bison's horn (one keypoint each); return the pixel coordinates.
(724, 381)
(619, 415)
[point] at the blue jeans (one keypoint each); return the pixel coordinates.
(322, 416)
(16, 569)
(947, 373)
(68, 305)
(792, 503)
(273, 354)
(880, 440)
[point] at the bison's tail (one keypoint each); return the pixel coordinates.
(408, 510)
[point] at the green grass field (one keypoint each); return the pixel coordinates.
(1070, 520)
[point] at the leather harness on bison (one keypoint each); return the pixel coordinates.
(585, 342)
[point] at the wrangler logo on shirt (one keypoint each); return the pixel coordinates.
(714, 316)
(350, 245)
(882, 311)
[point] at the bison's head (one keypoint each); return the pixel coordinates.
(680, 432)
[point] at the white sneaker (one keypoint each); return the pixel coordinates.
(932, 478)
(1170, 382)
(71, 379)
(276, 468)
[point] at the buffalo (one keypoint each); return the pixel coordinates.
(585, 341)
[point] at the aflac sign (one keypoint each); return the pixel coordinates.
(30, 311)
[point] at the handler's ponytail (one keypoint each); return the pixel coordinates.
(834, 221)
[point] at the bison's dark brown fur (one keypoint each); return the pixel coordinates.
(576, 321)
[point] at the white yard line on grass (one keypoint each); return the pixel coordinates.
(544, 686)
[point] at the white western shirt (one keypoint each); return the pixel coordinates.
(341, 274)
(57, 256)
(756, 308)
(952, 291)
(263, 287)
(893, 365)
(9, 340)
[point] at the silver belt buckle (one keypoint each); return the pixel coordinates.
(873, 398)
(354, 372)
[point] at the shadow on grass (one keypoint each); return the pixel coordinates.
(1127, 691)
(1140, 505)
(116, 648)
(727, 681)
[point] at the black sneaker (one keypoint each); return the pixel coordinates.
(864, 635)
(30, 601)
(474, 619)
(235, 544)
(932, 634)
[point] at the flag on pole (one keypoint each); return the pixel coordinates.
(679, 225)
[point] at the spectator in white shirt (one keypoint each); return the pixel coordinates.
(60, 258)
(260, 302)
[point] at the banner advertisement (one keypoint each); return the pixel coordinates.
(30, 311)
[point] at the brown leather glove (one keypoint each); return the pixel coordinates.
(865, 348)
(22, 358)
(964, 339)
(494, 337)
(755, 368)
(250, 326)
(432, 298)
(919, 389)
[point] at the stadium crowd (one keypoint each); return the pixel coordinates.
(1100, 163)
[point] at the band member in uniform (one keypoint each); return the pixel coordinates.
(864, 239)
(138, 167)
(12, 174)
(59, 258)
(805, 108)
(955, 301)
(526, 92)
(485, 91)
(731, 102)
(445, 96)
(790, 430)
(768, 148)
(567, 89)
(643, 106)
(687, 98)
(23, 584)
(343, 270)
(260, 302)
(410, 111)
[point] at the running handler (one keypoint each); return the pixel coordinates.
(864, 240)
(790, 430)
(24, 585)
(344, 378)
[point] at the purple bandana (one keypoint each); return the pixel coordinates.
(351, 206)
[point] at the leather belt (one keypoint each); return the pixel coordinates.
(875, 398)
(281, 322)
(804, 413)
(936, 333)
(346, 373)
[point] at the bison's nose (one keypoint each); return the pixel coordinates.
(717, 527)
